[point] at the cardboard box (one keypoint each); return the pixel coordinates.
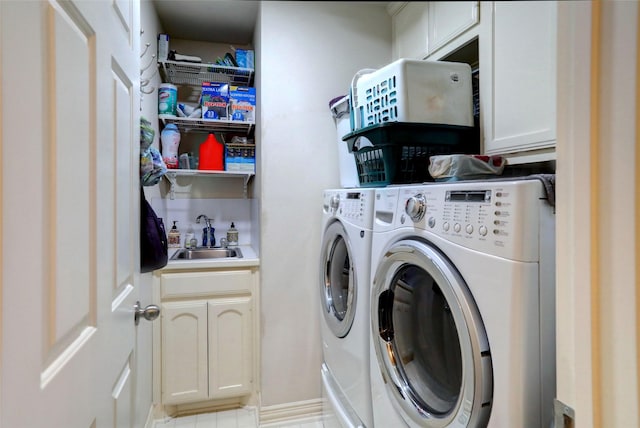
(240, 157)
(214, 100)
(245, 58)
(163, 47)
(242, 103)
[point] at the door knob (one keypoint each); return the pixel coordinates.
(149, 313)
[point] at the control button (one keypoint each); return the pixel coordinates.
(445, 226)
(498, 203)
(469, 229)
(483, 230)
(457, 227)
(498, 194)
(432, 222)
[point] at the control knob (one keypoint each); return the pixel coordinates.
(334, 203)
(415, 207)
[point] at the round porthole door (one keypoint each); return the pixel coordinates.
(430, 342)
(337, 280)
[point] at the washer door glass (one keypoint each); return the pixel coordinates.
(337, 282)
(429, 339)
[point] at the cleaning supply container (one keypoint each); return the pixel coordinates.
(211, 154)
(341, 116)
(167, 99)
(170, 138)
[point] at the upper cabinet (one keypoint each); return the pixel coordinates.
(512, 48)
(410, 25)
(422, 28)
(517, 50)
(448, 20)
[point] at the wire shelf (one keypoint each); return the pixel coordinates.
(190, 73)
(186, 124)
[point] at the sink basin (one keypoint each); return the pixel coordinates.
(207, 253)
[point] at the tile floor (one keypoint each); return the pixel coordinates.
(237, 418)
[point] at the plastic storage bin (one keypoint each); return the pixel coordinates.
(346, 161)
(415, 91)
(398, 152)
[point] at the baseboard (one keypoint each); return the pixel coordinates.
(299, 411)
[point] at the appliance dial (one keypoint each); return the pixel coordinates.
(416, 207)
(335, 202)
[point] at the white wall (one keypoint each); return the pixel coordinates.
(306, 53)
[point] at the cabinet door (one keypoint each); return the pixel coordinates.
(410, 31)
(448, 20)
(184, 352)
(230, 347)
(518, 76)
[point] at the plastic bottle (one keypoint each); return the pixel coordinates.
(211, 154)
(232, 236)
(174, 236)
(170, 137)
(188, 237)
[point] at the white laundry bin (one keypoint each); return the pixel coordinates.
(341, 115)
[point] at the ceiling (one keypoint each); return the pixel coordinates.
(216, 21)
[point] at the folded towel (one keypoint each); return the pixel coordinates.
(549, 184)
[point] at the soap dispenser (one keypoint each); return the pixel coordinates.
(174, 236)
(232, 236)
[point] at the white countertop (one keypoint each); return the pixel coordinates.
(249, 259)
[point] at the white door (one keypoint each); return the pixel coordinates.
(69, 147)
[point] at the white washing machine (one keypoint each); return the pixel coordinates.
(463, 306)
(345, 304)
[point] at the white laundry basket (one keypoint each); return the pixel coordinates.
(347, 163)
(409, 90)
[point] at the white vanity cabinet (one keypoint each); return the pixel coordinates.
(207, 334)
(422, 28)
(518, 74)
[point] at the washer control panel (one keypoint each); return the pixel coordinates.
(500, 218)
(353, 205)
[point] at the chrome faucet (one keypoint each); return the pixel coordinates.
(207, 222)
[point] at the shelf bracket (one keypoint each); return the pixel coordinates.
(245, 183)
(171, 177)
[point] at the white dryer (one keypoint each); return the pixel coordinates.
(345, 303)
(463, 306)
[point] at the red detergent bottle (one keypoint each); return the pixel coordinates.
(211, 154)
